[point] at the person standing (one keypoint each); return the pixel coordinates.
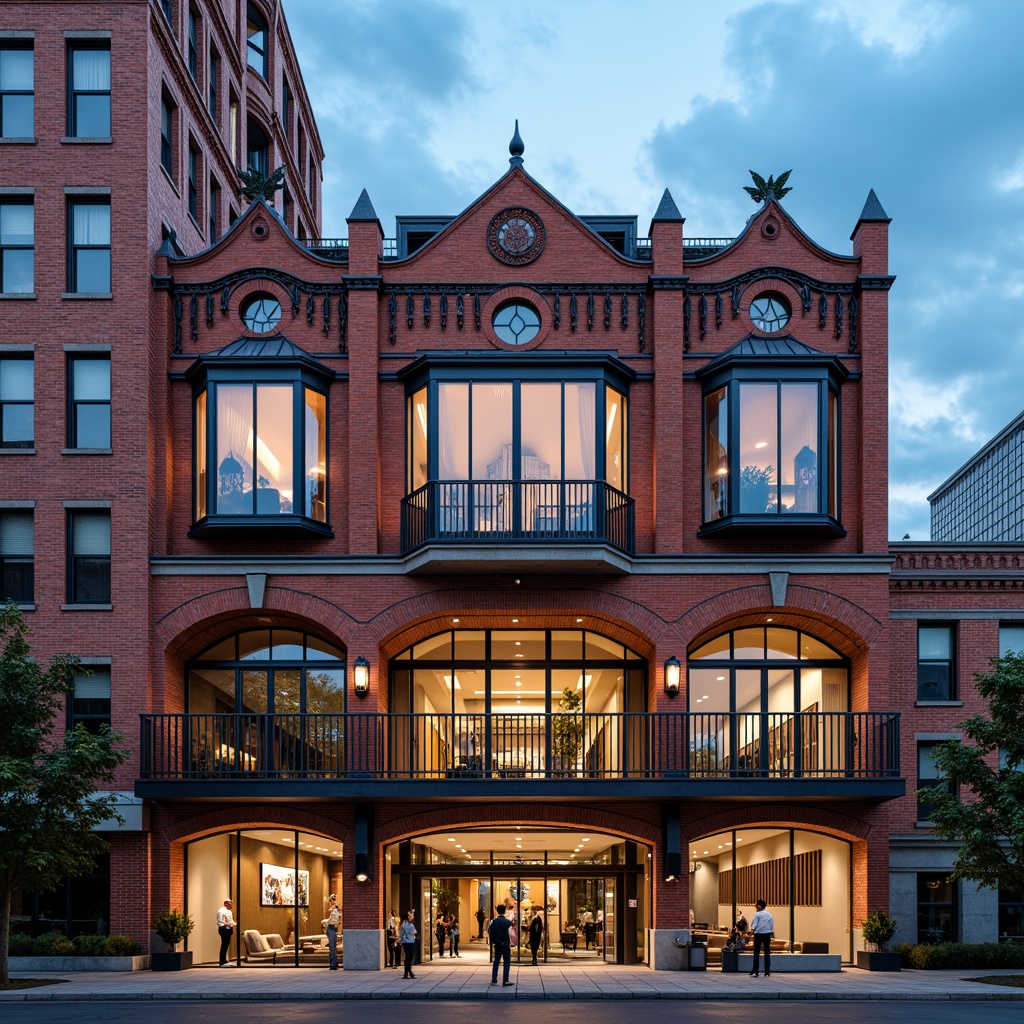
(394, 946)
(480, 918)
(408, 935)
(225, 928)
(333, 921)
(453, 937)
(763, 926)
(536, 936)
(439, 933)
(501, 945)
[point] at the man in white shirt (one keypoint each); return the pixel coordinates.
(763, 927)
(226, 928)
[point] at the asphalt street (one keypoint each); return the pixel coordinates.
(428, 1011)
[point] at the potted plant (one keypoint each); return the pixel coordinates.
(173, 927)
(567, 732)
(878, 928)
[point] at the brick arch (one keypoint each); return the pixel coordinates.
(200, 621)
(850, 628)
(228, 819)
(815, 819)
(416, 618)
(492, 815)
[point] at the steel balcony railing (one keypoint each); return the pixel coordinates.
(809, 745)
(501, 511)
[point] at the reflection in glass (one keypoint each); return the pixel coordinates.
(758, 447)
(716, 455)
(316, 455)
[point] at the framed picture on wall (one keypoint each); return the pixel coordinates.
(281, 888)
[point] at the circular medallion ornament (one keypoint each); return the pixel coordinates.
(516, 236)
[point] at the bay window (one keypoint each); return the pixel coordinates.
(260, 439)
(771, 439)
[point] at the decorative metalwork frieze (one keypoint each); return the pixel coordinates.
(703, 316)
(572, 312)
(641, 316)
(444, 311)
(718, 310)
(607, 310)
(625, 312)
(854, 312)
(410, 311)
(686, 322)
(839, 316)
(426, 309)
(460, 310)
(476, 310)
(590, 311)
(226, 286)
(392, 309)
(556, 311)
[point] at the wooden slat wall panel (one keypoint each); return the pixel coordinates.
(769, 881)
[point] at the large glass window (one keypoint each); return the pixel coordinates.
(768, 699)
(17, 247)
(935, 677)
(928, 776)
(1011, 915)
(1011, 638)
(17, 403)
(517, 703)
(89, 401)
(803, 876)
(193, 44)
(17, 92)
(89, 258)
(88, 557)
(257, 148)
(256, 39)
(193, 182)
(89, 91)
(167, 113)
(936, 909)
(771, 438)
(261, 447)
(17, 557)
(90, 701)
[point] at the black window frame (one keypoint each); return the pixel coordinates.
(530, 367)
(214, 211)
(16, 200)
(254, 17)
(12, 45)
(300, 372)
(193, 44)
(75, 404)
(931, 912)
(79, 572)
(730, 373)
(930, 685)
(18, 402)
(92, 712)
(194, 165)
(74, 248)
(254, 130)
(924, 806)
(286, 111)
(74, 93)
(17, 568)
(211, 85)
(168, 114)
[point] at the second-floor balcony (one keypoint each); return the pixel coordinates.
(831, 754)
(520, 512)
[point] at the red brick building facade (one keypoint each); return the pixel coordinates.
(518, 532)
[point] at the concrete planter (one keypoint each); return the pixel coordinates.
(878, 961)
(67, 964)
(172, 961)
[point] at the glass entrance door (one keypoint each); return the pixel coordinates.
(607, 921)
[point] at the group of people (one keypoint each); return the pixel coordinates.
(446, 929)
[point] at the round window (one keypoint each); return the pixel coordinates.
(516, 323)
(261, 313)
(770, 313)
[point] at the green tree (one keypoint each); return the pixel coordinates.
(980, 803)
(48, 800)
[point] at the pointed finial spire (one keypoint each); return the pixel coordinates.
(516, 148)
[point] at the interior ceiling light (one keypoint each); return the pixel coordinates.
(515, 620)
(579, 620)
(455, 620)
(761, 444)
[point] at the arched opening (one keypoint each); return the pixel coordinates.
(518, 703)
(279, 881)
(586, 894)
(804, 877)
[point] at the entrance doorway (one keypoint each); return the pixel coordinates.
(590, 893)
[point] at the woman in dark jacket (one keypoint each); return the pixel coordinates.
(536, 935)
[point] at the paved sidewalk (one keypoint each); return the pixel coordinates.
(551, 982)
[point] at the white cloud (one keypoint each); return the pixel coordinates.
(1012, 179)
(916, 404)
(905, 27)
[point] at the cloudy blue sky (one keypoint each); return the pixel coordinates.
(919, 99)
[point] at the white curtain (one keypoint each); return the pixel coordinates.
(91, 224)
(586, 418)
(234, 425)
(92, 70)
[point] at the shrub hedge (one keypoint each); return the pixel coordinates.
(54, 944)
(951, 956)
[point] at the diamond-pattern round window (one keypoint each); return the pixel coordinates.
(516, 323)
(261, 313)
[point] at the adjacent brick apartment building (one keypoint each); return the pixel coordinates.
(518, 558)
